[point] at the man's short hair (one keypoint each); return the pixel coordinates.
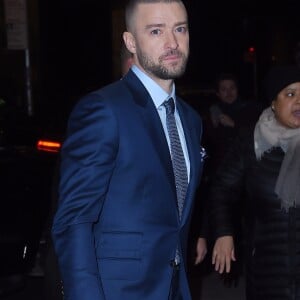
(131, 5)
(225, 76)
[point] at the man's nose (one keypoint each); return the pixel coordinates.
(171, 40)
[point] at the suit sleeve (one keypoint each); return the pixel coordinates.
(87, 162)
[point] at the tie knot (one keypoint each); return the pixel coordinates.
(170, 106)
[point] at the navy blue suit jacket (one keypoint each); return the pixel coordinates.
(117, 226)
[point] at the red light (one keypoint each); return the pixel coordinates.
(48, 146)
(251, 49)
(250, 55)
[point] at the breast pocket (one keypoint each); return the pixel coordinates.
(119, 255)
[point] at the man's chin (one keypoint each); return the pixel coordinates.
(168, 72)
(170, 76)
(177, 73)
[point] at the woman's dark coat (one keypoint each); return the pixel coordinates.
(272, 236)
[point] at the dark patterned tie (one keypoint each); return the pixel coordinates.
(178, 161)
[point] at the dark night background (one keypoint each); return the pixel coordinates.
(74, 46)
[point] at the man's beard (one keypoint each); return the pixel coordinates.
(158, 69)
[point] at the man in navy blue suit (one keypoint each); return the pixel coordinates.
(118, 233)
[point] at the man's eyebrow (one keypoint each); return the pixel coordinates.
(155, 25)
(160, 25)
(181, 23)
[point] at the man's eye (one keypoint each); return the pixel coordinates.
(290, 94)
(155, 31)
(181, 29)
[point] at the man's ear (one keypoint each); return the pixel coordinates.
(129, 41)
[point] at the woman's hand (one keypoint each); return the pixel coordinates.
(223, 254)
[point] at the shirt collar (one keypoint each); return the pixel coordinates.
(157, 94)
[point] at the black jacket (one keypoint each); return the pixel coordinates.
(272, 236)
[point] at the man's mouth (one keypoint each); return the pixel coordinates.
(172, 55)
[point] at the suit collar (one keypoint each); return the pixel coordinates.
(138, 90)
(151, 121)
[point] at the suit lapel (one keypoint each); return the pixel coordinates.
(152, 123)
(156, 133)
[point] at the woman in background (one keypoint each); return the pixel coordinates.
(264, 164)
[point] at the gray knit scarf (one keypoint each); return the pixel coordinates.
(270, 133)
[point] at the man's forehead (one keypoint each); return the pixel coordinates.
(159, 12)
